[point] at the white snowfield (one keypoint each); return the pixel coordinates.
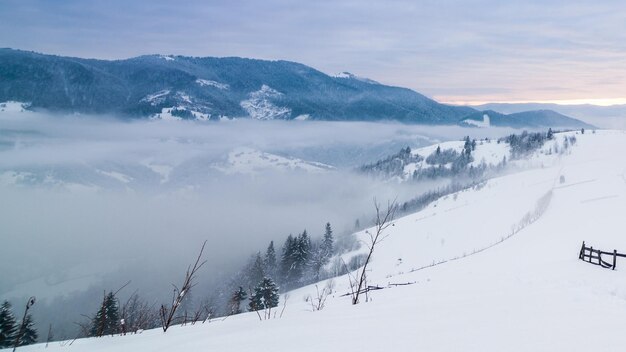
(526, 291)
(13, 106)
(250, 161)
(259, 105)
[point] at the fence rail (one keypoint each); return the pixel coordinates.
(594, 256)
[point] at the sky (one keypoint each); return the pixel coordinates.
(472, 51)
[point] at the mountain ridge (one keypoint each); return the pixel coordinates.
(210, 88)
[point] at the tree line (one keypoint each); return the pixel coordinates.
(255, 288)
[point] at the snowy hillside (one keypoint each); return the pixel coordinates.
(494, 268)
(250, 161)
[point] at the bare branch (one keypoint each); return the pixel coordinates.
(382, 222)
(167, 314)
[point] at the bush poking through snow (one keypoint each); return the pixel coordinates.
(383, 220)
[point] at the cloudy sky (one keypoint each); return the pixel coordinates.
(455, 51)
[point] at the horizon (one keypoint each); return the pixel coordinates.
(470, 53)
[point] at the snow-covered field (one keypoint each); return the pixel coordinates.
(244, 160)
(509, 278)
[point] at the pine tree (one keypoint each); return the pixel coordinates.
(8, 326)
(257, 271)
(269, 292)
(270, 261)
(265, 296)
(107, 320)
(256, 300)
(238, 296)
(301, 256)
(286, 261)
(28, 332)
(327, 244)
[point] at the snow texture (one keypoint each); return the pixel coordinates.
(493, 268)
(156, 98)
(260, 106)
(210, 83)
(13, 106)
(250, 161)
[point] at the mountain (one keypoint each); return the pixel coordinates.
(613, 116)
(210, 88)
(180, 87)
(524, 119)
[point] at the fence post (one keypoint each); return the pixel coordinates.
(614, 258)
(590, 253)
(581, 255)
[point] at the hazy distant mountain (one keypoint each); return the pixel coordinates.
(525, 119)
(208, 88)
(603, 116)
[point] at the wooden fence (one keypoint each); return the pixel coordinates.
(594, 256)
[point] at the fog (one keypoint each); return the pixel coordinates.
(85, 203)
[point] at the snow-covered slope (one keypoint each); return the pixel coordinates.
(251, 161)
(259, 105)
(13, 106)
(509, 277)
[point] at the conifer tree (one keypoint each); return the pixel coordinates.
(327, 244)
(257, 271)
(28, 332)
(265, 296)
(238, 296)
(301, 255)
(107, 320)
(320, 254)
(270, 261)
(8, 326)
(286, 260)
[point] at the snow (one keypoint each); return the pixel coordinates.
(116, 175)
(483, 124)
(184, 97)
(509, 278)
(245, 160)
(156, 98)
(348, 75)
(166, 57)
(343, 75)
(303, 117)
(488, 151)
(259, 105)
(13, 106)
(15, 177)
(210, 83)
(161, 169)
(26, 179)
(166, 115)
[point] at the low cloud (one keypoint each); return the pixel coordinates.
(58, 239)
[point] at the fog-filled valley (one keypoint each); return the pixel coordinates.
(91, 202)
